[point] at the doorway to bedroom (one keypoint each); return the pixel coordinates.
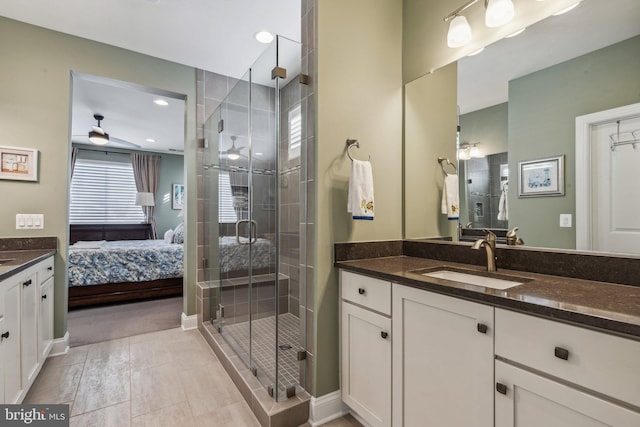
(127, 191)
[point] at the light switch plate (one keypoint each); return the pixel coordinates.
(565, 220)
(29, 221)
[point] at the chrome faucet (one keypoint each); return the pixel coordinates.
(489, 243)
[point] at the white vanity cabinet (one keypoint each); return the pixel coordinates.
(443, 360)
(365, 325)
(11, 382)
(26, 328)
(551, 373)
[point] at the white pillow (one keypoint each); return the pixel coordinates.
(178, 234)
(168, 236)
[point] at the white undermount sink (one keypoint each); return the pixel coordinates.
(472, 279)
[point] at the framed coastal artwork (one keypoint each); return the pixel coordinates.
(541, 177)
(20, 164)
(177, 196)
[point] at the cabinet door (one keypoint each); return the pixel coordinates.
(442, 360)
(45, 320)
(29, 328)
(11, 343)
(366, 364)
(524, 399)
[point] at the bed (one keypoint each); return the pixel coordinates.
(116, 263)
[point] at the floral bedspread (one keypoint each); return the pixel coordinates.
(94, 263)
(234, 257)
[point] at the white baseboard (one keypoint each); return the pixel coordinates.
(189, 322)
(60, 346)
(326, 408)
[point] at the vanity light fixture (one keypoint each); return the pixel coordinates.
(498, 13)
(459, 32)
(264, 37)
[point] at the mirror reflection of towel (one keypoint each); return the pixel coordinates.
(450, 197)
(360, 201)
(503, 207)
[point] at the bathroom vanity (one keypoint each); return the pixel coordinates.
(549, 351)
(26, 319)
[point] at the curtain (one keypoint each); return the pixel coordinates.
(146, 169)
(74, 157)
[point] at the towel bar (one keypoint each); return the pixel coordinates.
(353, 143)
(442, 159)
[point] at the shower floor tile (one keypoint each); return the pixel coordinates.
(264, 351)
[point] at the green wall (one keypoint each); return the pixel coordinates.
(359, 95)
(35, 98)
(543, 107)
(487, 126)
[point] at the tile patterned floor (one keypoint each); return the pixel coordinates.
(167, 378)
(162, 379)
(263, 349)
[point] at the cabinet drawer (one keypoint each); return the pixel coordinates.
(598, 361)
(45, 269)
(368, 292)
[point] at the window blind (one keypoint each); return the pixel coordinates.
(295, 132)
(226, 212)
(103, 192)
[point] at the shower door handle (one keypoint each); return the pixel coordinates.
(253, 231)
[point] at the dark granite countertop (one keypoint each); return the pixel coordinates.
(15, 261)
(605, 306)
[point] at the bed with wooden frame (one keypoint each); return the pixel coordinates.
(93, 236)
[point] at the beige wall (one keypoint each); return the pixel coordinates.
(359, 95)
(424, 41)
(430, 132)
(35, 113)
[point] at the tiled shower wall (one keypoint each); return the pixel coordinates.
(297, 195)
(483, 188)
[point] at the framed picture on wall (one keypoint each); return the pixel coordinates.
(541, 177)
(20, 164)
(177, 196)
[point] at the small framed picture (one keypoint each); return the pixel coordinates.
(541, 177)
(20, 164)
(177, 196)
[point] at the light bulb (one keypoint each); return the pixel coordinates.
(459, 32)
(233, 156)
(498, 13)
(475, 152)
(463, 154)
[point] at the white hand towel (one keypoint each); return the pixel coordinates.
(360, 203)
(503, 207)
(450, 197)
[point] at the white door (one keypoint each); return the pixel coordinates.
(524, 399)
(615, 178)
(366, 364)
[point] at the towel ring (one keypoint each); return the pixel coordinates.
(353, 143)
(442, 159)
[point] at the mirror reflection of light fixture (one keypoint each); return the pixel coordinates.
(468, 151)
(498, 13)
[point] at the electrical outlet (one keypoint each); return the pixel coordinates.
(29, 221)
(565, 220)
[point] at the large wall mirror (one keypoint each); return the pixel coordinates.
(518, 102)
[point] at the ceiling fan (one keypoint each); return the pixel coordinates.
(98, 136)
(233, 153)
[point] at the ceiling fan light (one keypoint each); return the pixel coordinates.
(459, 32)
(98, 138)
(498, 13)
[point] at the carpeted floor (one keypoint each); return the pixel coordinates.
(91, 325)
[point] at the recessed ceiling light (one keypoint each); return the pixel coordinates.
(520, 31)
(150, 140)
(567, 9)
(161, 102)
(264, 37)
